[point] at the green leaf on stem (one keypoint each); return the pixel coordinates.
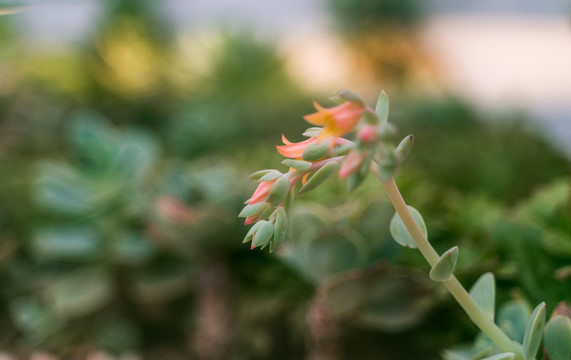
(382, 108)
(297, 164)
(558, 338)
(319, 177)
(534, 332)
(512, 319)
(444, 267)
(484, 294)
(399, 231)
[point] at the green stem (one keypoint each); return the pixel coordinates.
(478, 317)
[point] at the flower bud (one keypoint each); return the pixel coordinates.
(263, 234)
(278, 191)
(352, 163)
(368, 134)
(404, 148)
(316, 151)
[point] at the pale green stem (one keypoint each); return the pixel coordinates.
(478, 317)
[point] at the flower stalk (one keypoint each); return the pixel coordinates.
(478, 317)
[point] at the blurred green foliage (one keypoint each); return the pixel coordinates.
(124, 170)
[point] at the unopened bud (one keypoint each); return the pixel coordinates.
(263, 235)
(278, 191)
(316, 151)
(404, 148)
(352, 163)
(368, 134)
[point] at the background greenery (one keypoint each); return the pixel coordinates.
(123, 170)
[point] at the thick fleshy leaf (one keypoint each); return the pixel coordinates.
(135, 154)
(80, 293)
(512, 319)
(298, 164)
(484, 294)
(258, 174)
(263, 235)
(34, 318)
(534, 332)
(457, 354)
(70, 242)
(270, 175)
(319, 177)
(382, 108)
(350, 95)
(557, 338)
(444, 267)
(280, 228)
(399, 231)
(61, 189)
(250, 210)
(403, 149)
(502, 356)
(316, 151)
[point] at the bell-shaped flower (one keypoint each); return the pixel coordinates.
(336, 121)
(294, 150)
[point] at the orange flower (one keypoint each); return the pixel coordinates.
(336, 121)
(294, 150)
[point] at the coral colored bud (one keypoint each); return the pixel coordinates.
(368, 134)
(352, 163)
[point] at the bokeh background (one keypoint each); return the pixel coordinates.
(128, 129)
